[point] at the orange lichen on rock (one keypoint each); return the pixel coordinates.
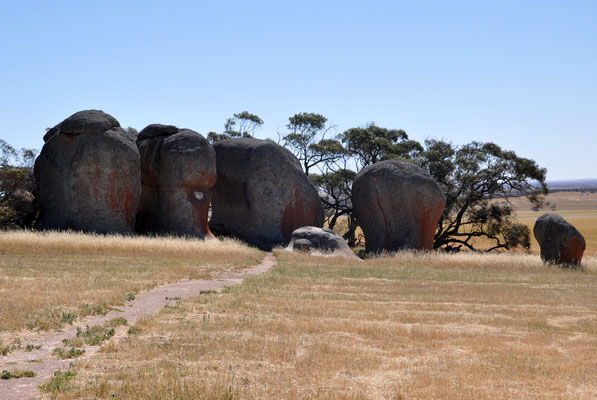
(560, 241)
(178, 171)
(398, 206)
(88, 175)
(261, 195)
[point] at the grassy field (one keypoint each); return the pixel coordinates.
(49, 279)
(427, 326)
(580, 209)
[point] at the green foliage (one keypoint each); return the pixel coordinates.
(94, 335)
(243, 124)
(61, 381)
(479, 179)
(16, 374)
(307, 141)
(63, 353)
(373, 143)
(335, 188)
(132, 131)
(18, 207)
(134, 330)
(216, 137)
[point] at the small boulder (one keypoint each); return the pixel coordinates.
(261, 195)
(560, 241)
(323, 239)
(398, 206)
(88, 175)
(178, 171)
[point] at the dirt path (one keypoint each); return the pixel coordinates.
(44, 364)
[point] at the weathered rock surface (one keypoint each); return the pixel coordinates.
(302, 245)
(560, 241)
(322, 239)
(261, 195)
(178, 171)
(398, 206)
(88, 175)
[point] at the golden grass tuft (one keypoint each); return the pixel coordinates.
(24, 241)
(404, 326)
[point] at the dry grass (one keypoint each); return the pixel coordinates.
(584, 220)
(426, 326)
(48, 279)
(580, 209)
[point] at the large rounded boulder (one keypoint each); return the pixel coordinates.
(261, 195)
(560, 241)
(88, 175)
(398, 206)
(178, 171)
(319, 240)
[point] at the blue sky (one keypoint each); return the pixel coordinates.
(520, 73)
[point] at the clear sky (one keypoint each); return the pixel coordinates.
(519, 73)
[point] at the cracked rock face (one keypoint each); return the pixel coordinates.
(261, 195)
(398, 206)
(178, 171)
(560, 241)
(88, 175)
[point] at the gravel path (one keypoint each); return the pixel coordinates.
(44, 364)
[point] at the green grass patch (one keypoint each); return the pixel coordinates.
(61, 381)
(64, 353)
(16, 374)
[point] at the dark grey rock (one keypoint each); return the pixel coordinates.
(302, 245)
(323, 239)
(156, 130)
(178, 171)
(261, 195)
(88, 121)
(398, 206)
(560, 241)
(88, 175)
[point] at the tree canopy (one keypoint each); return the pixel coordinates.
(373, 143)
(478, 179)
(17, 203)
(243, 124)
(307, 141)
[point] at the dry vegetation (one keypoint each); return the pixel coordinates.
(428, 326)
(48, 279)
(580, 209)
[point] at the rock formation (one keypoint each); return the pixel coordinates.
(323, 239)
(560, 241)
(178, 171)
(398, 206)
(301, 245)
(88, 175)
(261, 195)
